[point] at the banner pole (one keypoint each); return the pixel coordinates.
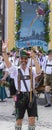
(31, 82)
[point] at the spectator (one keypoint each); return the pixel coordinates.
(48, 78)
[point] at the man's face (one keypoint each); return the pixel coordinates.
(50, 56)
(24, 60)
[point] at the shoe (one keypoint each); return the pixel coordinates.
(48, 105)
(14, 113)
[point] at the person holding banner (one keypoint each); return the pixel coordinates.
(25, 96)
(3, 94)
(48, 78)
(10, 73)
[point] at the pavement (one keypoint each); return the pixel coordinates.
(7, 120)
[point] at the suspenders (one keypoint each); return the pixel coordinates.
(20, 76)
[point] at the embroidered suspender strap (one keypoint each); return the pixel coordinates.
(23, 79)
(26, 77)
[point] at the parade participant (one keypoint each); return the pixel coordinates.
(3, 94)
(41, 59)
(11, 72)
(23, 101)
(48, 78)
(16, 61)
(11, 58)
(29, 59)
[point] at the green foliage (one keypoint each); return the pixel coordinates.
(14, 49)
(46, 20)
(18, 19)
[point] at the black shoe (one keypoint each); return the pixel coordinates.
(48, 105)
(14, 113)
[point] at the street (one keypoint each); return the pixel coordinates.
(7, 120)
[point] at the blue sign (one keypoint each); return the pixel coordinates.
(31, 43)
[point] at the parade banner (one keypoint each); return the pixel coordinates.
(32, 26)
(31, 43)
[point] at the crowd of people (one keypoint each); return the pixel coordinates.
(22, 71)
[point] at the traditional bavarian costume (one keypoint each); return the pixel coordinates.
(48, 79)
(12, 74)
(23, 94)
(3, 93)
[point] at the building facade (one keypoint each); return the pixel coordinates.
(9, 23)
(7, 18)
(2, 12)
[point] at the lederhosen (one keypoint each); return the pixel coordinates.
(22, 104)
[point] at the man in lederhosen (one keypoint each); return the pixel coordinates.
(48, 78)
(22, 96)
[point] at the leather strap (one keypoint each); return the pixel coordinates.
(19, 81)
(21, 77)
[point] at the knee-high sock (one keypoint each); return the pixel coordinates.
(31, 127)
(48, 97)
(17, 127)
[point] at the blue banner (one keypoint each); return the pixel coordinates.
(31, 43)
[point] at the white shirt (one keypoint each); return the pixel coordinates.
(42, 62)
(49, 68)
(2, 64)
(13, 72)
(28, 82)
(11, 59)
(16, 61)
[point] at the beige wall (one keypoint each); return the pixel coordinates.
(11, 14)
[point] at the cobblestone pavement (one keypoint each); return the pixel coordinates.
(7, 120)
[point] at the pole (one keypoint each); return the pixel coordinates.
(38, 71)
(31, 82)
